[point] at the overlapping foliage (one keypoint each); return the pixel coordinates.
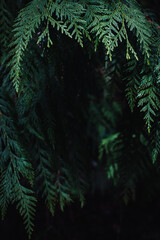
(42, 146)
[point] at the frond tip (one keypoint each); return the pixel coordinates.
(148, 99)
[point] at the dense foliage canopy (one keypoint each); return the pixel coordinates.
(80, 90)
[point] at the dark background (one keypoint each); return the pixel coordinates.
(104, 216)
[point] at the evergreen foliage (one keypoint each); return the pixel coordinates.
(52, 119)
